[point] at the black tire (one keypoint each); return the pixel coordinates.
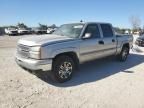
(63, 68)
(124, 54)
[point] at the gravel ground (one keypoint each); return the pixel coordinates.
(98, 84)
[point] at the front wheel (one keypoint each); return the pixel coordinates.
(124, 54)
(63, 68)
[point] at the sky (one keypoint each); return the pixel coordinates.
(32, 12)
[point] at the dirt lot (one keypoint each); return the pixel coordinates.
(99, 84)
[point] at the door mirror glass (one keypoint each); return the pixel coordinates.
(87, 35)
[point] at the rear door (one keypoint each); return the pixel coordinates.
(109, 39)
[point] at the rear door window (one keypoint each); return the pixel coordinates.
(107, 30)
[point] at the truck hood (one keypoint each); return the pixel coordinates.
(43, 40)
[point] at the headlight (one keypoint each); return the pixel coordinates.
(35, 49)
(35, 52)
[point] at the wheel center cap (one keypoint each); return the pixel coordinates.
(66, 69)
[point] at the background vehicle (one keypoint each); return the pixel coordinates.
(22, 31)
(70, 45)
(11, 31)
(50, 30)
(139, 43)
(40, 31)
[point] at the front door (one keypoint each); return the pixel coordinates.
(90, 48)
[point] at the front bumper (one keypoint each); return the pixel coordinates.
(23, 32)
(13, 33)
(33, 64)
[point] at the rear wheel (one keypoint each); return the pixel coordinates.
(63, 68)
(124, 54)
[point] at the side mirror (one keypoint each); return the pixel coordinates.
(87, 36)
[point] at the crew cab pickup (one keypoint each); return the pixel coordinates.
(71, 45)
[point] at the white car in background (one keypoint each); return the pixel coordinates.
(50, 30)
(11, 31)
(23, 31)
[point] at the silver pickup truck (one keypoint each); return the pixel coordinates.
(70, 45)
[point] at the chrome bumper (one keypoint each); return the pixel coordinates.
(33, 64)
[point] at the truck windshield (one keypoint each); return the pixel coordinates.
(69, 30)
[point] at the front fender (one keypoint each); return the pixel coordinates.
(56, 52)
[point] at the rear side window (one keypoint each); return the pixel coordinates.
(94, 30)
(107, 30)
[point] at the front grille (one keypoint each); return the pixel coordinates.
(23, 51)
(24, 31)
(24, 48)
(14, 32)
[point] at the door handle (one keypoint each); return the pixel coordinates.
(113, 40)
(101, 42)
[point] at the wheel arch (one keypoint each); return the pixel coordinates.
(70, 54)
